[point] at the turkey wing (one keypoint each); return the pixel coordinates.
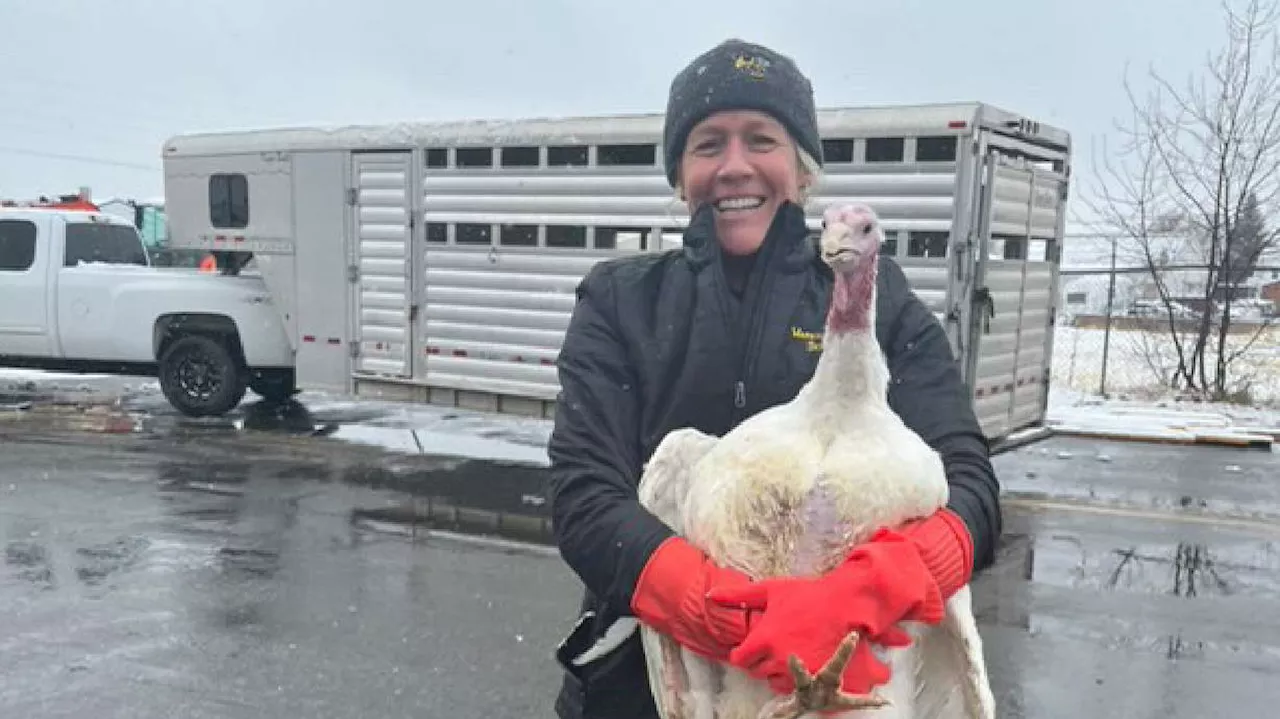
(684, 684)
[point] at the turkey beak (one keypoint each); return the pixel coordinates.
(837, 246)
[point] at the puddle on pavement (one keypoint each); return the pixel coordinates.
(21, 401)
(1179, 569)
(29, 562)
(98, 562)
(419, 517)
(497, 487)
(249, 561)
(1158, 587)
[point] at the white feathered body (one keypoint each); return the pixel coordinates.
(791, 491)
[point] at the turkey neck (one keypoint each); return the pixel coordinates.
(851, 372)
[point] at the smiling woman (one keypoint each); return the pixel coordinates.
(744, 164)
(703, 338)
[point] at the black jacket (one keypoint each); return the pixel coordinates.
(658, 342)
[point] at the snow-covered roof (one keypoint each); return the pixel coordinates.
(619, 128)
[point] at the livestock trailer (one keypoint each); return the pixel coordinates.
(437, 261)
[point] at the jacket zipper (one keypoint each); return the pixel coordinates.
(753, 304)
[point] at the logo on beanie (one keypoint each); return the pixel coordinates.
(753, 66)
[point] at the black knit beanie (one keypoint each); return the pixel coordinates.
(738, 75)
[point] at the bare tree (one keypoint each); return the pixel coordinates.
(1198, 170)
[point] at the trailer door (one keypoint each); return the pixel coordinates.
(1016, 281)
(383, 215)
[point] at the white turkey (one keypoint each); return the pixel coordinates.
(790, 492)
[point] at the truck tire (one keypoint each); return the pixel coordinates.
(275, 385)
(201, 377)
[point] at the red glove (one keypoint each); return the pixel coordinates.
(671, 597)
(889, 579)
(945, 547)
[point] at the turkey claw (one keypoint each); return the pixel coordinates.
(821, 692)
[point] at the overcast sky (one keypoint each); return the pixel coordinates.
(90, 90)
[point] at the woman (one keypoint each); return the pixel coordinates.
(702, 337)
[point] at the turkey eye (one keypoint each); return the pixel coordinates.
(866, 229)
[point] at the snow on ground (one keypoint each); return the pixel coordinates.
(432, 429)
(1139, 364)
(1135, 403)
(19, 374)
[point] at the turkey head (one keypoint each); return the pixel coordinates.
(850, 245)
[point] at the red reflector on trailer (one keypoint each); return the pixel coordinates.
(309, 338)
(957, 124)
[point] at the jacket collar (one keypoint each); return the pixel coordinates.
(786, 245)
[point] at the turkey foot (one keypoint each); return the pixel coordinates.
(821, 692)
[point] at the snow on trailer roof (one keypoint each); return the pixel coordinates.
(939, 118)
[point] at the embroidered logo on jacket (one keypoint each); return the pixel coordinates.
(812, 340)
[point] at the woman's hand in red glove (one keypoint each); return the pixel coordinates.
(672, 597)
(883, 582)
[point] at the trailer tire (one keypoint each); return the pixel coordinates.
(201, 377)
(273, 385)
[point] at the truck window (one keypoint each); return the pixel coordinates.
(112, 244)
(17, 245)
(229, 201)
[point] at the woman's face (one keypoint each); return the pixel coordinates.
(744, 164)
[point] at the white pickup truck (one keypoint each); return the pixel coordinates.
(78, 293)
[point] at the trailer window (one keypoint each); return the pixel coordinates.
(229, 201)
(1015, 248)
(927, 244)
(627, 238)
(936, 149)
(627, 155)
(518, 235)
(437, 157)
(567, 156)
(837, 151)
(437, 232)
(470, 233)
(111, 244)
(519, 157)
(890, 245)
(566, 236)
(17, 245)
(475, 157)
(885, 149)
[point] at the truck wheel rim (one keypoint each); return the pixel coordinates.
(198, 377)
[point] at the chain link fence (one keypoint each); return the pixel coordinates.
(1115, 335)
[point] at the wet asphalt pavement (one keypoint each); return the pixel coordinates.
(210, 572)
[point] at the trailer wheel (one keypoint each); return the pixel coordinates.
(201, 377)
(273, 385)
